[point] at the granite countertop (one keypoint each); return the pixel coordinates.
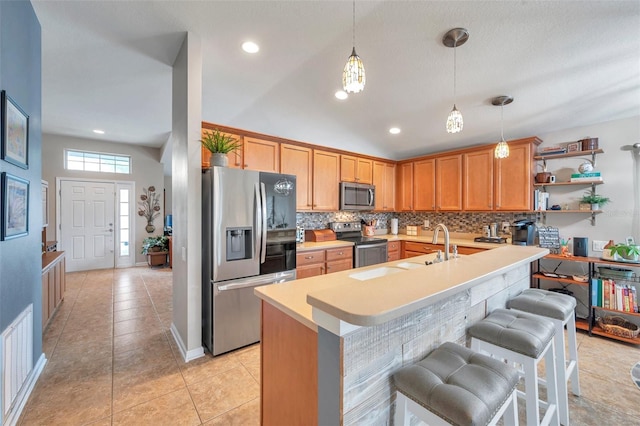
(381, 299)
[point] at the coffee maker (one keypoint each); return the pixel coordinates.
(523, 232)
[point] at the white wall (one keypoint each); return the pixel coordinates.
(145, 166)
(186, 194)
(617, 167)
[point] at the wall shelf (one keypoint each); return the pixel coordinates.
(599, 182)
(542, 214)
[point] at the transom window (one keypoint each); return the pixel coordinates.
(97, 162)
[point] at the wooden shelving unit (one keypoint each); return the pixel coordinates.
(542, 214)
(589, 324)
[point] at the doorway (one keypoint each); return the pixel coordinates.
(94, 223)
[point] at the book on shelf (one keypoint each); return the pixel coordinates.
(606, 293)
(583, 175)
(587, 179)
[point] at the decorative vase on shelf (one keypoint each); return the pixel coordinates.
(150, 228)
(219, 159)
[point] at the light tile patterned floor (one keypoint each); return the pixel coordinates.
(113, 361)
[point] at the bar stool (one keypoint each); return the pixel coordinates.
(559, 308)
(455, 385)
(524, 339)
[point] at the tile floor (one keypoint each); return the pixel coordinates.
(112, 361)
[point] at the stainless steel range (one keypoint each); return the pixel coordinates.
(367, 250)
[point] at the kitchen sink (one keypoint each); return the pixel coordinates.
(375, 273)
(410, 265)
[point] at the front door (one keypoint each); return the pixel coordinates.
(87, 224)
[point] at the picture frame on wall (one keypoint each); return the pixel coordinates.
(15, 206)
(574, 146)
(15, 132)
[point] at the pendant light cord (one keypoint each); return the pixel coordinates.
(354, 23)
(502, 122)
(454, 71)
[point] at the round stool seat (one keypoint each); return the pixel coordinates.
(458, 384)
(545, 303)
(516, 331)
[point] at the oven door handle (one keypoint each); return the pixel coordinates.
(362, 246)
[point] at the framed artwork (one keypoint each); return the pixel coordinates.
(15, 132)
(15, 206)
(574, 146)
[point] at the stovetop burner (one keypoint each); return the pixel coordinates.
(352, 231)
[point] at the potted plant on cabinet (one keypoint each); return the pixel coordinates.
(595, 200)
(219, 145)
(156, 249)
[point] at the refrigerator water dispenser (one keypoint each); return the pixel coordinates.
(239, 243)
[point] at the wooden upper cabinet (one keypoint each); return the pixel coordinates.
(384, 179)
(424, 184)
(235, 158)
(449, 183)
(298, 160)
(514, 178)
(356, 169)
(477, 186)
(326, 180)
(261, 155)
(404, 185)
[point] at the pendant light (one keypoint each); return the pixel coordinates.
(353, 78)
(454, 38)
(502, 149)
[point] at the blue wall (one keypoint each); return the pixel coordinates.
(20, 77)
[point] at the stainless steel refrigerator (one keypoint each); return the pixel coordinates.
(249, 240)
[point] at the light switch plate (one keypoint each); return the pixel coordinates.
(599, 245)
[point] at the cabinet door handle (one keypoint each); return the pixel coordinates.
(341, 253)
(308, 257)
(246, 165)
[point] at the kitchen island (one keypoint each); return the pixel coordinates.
(331, 343)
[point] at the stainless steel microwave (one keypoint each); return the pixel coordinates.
(357, 196)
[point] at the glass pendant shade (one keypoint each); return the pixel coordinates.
(502, 150)
(454, 121)
(353, 77)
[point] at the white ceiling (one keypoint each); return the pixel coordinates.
(107, 65)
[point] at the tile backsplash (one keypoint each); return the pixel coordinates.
(455, 221)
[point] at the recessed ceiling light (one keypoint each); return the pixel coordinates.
(342, 95)
(98, 131)
(250, 47)
(394, 130)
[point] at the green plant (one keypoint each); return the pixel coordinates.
(149, 243)
(219, 143)
(627, 251)
(589, 198)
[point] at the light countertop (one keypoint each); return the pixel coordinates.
(381, 299)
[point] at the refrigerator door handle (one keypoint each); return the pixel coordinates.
(257, 239)
(263, 250)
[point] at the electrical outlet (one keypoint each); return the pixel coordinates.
(599, 245)
(505, 227)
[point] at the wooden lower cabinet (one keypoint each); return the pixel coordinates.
(393, 251)
(53, 284)
(288, 370)
(319, 262)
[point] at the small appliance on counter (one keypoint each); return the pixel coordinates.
(490, 235)
(523, 233)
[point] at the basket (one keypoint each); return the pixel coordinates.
(608, 272)
(618, 326)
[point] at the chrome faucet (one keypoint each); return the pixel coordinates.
(446, 238)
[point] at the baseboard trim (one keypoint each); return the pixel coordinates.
(23, 396)
(186, 355)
